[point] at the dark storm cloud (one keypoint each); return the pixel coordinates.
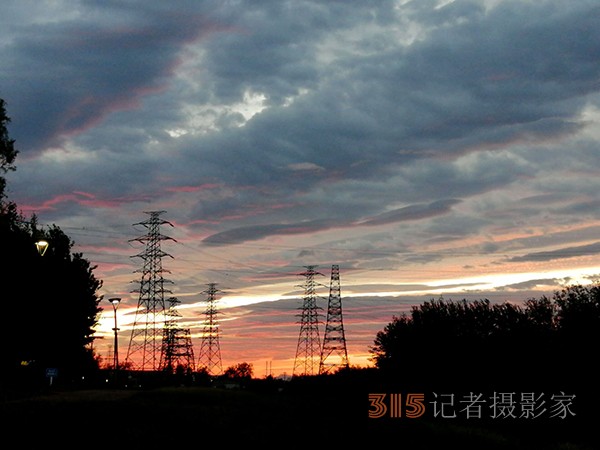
(474, 79)
(273, 46)
(449, 93)
(561, 253)
(377, 112)
(65, 77)
(413, 212)
(407, 213)
(243, 234)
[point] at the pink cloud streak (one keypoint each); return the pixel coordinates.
(79, 197)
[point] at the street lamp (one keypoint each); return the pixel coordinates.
(42, 246)
(115, 303)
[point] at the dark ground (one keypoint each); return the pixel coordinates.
(287, 415)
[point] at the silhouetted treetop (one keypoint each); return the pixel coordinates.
(478, 340)
(8, 153)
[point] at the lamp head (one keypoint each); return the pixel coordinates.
(42, 246)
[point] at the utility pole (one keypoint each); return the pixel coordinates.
(115, 302)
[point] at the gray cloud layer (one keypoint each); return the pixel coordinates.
(291, 118)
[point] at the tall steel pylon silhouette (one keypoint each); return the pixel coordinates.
(309, 345)
(210, 349)
(177, 348)
(334, 353)
(145, 345)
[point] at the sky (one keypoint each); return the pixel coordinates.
(429, 148)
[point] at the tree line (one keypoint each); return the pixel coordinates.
(549, 342)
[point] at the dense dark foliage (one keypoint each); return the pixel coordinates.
(544, 347)
(239, 371)
(50, 304)
(546, 342)
(8, 152)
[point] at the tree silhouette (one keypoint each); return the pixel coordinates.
(541, 343)
(50, 302)
(241, 371)
(8, 153)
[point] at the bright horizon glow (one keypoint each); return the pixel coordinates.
(283, 365)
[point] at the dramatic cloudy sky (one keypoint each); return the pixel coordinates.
(427, 147)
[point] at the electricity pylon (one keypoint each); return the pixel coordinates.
(145, 349)
(210, 350)
(177, 348)
(334, 353)
(309, 345)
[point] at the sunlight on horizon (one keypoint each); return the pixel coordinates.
(499, 282)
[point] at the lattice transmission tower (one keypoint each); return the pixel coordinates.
(334, 353)
(145, 345)
(309, 345)
(210, 349)
(177, 348)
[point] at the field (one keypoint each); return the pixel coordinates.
(269, 415)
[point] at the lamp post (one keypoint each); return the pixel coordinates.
(115, 303)
(42, 246)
